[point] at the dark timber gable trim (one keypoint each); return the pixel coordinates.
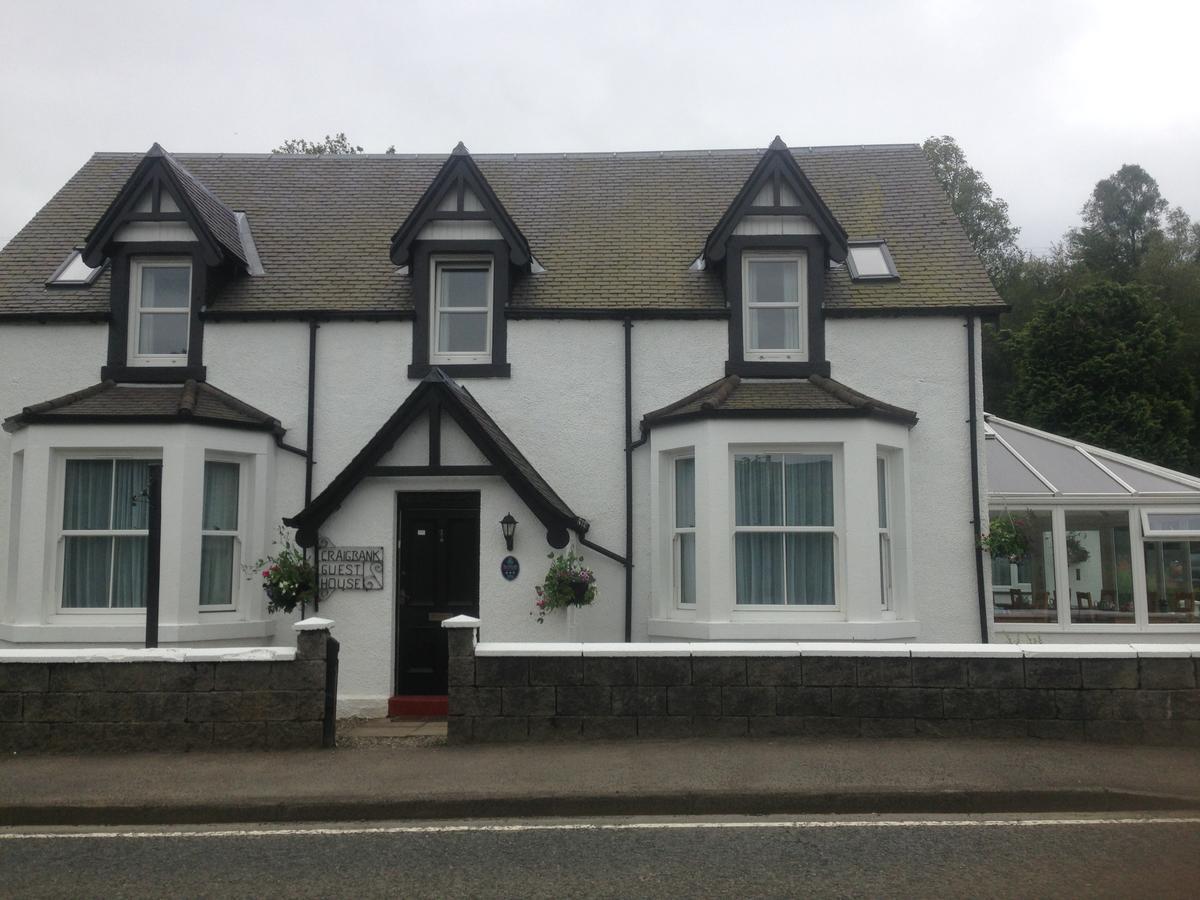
(435, 397)
(777, 167)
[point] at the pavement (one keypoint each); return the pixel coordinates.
(420, 780)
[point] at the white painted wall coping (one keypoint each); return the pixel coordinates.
(314, 623)
(832, 648)
(465, 622)
(155, 654)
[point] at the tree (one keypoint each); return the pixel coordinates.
(331, 145)
(1102, 364)
(983, 217)
(1120, 221)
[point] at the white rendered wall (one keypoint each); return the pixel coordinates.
(920, 363)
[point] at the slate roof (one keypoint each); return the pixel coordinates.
(613, 231)
(750, 398)
(191, 401)
(217, 217)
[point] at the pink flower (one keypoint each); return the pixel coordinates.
(266, 574)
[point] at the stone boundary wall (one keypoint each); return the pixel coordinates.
(106, 700)
(533, 692)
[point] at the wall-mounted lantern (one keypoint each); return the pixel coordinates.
(509, 526)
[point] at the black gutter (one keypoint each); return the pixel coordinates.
(628, 479)
(976, 521)
(604, 551)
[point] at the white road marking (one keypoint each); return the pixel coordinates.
(588, 826)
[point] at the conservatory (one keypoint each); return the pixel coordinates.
(1100, 542)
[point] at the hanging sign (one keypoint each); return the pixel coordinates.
(349, 569)
(510, 568)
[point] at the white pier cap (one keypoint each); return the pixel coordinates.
(314, 623)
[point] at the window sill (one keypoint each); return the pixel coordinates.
(783, 631)
(153, 374)
(463, 370)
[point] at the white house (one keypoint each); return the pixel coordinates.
(745, 385)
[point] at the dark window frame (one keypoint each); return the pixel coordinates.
(420, 275)
(118, 367)
(892, 273)
(737, 247)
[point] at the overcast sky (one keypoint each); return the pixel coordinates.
(1046, 97)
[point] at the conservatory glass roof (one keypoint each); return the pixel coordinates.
(1022, 460)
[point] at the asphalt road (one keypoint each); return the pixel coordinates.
(1063, 856)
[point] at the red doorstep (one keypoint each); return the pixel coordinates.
(418, 705)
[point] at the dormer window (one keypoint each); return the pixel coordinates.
(462, 311)
(159, 311)
(775, 290)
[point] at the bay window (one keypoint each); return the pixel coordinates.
(683, 541)
(784, 530)
(885, 533)
(105, 527)
(219, 533)
(159, 311)
(775, 291)
(461, 324)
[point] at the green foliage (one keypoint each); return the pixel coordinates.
(1102, 364)
(983, 217)
(567, 583)
(335, 144)
(1006, 538)
(1121, 219)
(289, 579)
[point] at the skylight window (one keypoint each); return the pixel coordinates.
(74, 272)
(871, 262)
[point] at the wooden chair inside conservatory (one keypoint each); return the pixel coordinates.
(1083, 599)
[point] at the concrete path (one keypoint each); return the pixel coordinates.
(685, 777)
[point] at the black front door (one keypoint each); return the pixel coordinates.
(439, 578)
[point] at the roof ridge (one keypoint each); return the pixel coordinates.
(235, 404)
(518, 154)
(857, 399)
(717, 400)
(693, 396)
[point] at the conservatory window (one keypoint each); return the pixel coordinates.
(683, 541)
(1023, 589)
(105, 533)
(1099, 566)
(784, 530)
(159, 311)
(775, 288)
(219, 533)
(1172, 581)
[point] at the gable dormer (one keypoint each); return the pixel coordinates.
(772, 247)
(463, 251)
(164, 235)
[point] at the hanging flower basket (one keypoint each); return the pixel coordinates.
(289, 579)
(1006, 537)
(567, 583)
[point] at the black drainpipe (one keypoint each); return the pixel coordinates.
(310, 432)
(628, 479)
(976, 521)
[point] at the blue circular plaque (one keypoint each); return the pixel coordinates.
(510, 568)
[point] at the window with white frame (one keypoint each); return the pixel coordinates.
(885, 533)
(1171, 548)
(160, 291)
(683, 540)
(1099, 566)
(105, 533)
(1024, 586)
(784, 529)
(219, 538)
(774, 292)
(461, 329)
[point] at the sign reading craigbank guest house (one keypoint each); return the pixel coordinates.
(350, 569)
